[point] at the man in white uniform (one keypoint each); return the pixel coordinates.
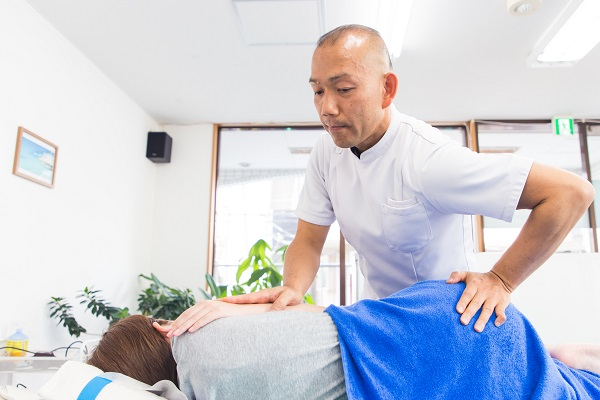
(403, 193)
(417, 189)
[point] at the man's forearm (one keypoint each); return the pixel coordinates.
(301, 265)
(303, 256)
(531, 249)
(545, 229)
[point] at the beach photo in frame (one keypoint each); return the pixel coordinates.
(35, 158)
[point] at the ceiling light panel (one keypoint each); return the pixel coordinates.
(277, 22)
(268, 22)
(571, 37)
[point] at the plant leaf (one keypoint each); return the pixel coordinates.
(242, 268)
(256, 275)
(275, 279)
(214, 289)
(308, 298)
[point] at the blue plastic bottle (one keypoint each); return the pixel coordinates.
(18, 340)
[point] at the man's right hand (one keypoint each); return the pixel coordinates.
(281, 297)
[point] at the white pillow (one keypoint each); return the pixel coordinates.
(79, 381)
(8, 392)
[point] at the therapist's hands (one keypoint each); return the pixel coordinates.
(205, 312)
(281, 297)
(485, 291)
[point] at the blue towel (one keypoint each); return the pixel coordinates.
(412, 345)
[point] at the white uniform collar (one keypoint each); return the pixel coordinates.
(386, 140)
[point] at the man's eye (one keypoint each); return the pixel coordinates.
(344, 90)
(318, 92)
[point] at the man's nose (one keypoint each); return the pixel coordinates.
(328, 105)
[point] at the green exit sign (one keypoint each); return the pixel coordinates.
(563, 126)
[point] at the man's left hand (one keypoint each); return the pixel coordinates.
(484, 291)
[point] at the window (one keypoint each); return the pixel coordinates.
(535, 140)
(260, 174)
(593, 145)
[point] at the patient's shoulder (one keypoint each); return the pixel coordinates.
(234, 334)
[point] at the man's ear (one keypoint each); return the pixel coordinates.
(163, 330)
(390, 86)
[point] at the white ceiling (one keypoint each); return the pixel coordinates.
(185, 62)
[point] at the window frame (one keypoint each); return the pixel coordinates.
(585, 163)
(471, 129)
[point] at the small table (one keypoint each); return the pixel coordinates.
(17, 365)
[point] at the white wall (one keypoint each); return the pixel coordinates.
(95, 226)
(561, 298)
(180, 239)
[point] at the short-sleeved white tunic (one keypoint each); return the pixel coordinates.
(405, 205)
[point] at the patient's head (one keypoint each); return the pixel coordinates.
(134, 348)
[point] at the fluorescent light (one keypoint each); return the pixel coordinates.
(293, 22)
(573, 35)
(389, 17)
(278, 22)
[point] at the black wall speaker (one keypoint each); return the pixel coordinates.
(159, 147)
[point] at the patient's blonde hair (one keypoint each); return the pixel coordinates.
(134, 348)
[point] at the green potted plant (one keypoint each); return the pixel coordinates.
(264, 273)
(158, 300)
(162, 301)
(61, 310)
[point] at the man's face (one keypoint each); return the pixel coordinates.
(348, 87)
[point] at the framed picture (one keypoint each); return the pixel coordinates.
(35, 158)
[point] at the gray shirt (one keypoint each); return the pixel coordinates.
(277, 355)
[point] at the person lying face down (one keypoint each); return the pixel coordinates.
(292, 355)
(408, 345)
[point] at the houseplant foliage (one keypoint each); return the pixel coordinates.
(264, 273)
(61, 310)
(162, 301)
(158, 300)
(256, 272)
(100, 307)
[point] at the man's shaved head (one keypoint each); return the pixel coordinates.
(359, 33)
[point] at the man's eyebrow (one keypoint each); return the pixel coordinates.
(331, 79)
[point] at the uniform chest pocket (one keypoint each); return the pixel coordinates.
(406, 226)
